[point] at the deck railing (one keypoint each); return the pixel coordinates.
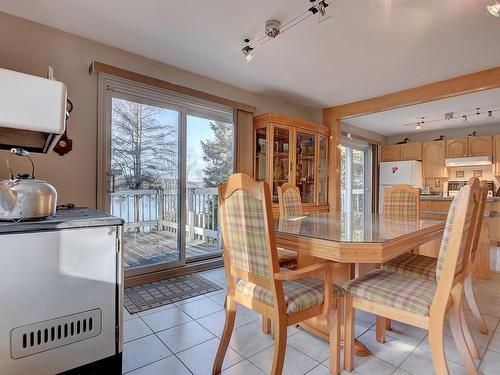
(157, 210)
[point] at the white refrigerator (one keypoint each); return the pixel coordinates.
(399, 172)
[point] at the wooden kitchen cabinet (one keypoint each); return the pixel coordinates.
(457, 148)
(469, 146)
(479, 146)
(391, 153)
(433, 155)
(496, 155)
(411, 151)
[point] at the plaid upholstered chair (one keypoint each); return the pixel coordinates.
(401, 201)
(422, 302)
(255, 280)
(425, 267)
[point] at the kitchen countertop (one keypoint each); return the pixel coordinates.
(63, 219)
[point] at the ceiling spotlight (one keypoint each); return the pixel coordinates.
(448, 115)
(272, 29)
(419, 126)
(321, 6)
(477, 111)
(494, 8)
(247, 51)
(465, 118)
(490, 113)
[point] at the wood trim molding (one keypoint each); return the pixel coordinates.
(360, 138)
(96, 66)
(466, 84)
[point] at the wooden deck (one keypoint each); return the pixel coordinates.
(143, 249)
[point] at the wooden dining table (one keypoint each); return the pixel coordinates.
(356, 242)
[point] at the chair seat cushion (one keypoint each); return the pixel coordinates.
(395, 290)
(414, 265)
(299, 295)
(287, 258)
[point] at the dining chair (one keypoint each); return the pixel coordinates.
(289, 205)
(424, 266)
(422, 302)
(254, 278)
(401, 201)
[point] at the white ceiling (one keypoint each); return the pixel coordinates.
(368, 48)
(393, 122)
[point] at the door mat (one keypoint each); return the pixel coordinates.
(160, 293)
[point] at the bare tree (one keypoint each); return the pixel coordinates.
(144, 146)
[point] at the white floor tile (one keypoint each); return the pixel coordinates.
(215, 322)
(490, 364)
(392, 351)
(170, 365)
(200, 358)
(249, 339)
(309, 344)
(135, 328)
(143, 351)
(200, 308)
(406, 333)
(184, 336)
(164, 319)
(156, 309)
(243, 368)
(420, 363)
(296, 363)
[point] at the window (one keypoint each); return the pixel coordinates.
(162, 156)
(355, 176)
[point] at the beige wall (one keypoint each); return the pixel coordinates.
(345, 127)
(30, 48)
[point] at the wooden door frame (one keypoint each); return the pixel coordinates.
(332, 116)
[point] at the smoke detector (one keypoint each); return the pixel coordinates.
(272, 28)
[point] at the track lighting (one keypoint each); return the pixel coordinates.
(455, 117)
(494, 8)
(247, 51)
(274, 28)
(419, 126)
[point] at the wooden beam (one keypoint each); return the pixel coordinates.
(467, 84)
(360, 138)
(96, 66)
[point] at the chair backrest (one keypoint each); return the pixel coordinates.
(483, 197)
(456, 245)
(401, 201)
(247, 231)
(289, 200)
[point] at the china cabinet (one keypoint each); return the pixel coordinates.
(289, 149)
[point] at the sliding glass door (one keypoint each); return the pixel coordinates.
(355, 176)
(163, 157)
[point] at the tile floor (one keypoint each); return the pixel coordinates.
(182, 339)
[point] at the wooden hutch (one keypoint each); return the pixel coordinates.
(289, 149)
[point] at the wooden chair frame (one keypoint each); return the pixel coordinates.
(281, 191)
(408, 188)
(448, 297)
(278, 312)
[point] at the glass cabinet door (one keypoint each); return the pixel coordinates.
(305, 173)
(281, 159)
(261, 152)
(323, 169)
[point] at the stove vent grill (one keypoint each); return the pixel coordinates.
(50, 334)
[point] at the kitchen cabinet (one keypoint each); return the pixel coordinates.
(479, 146)
(288, 149)
(433, 156)
(469, 146)
(411, 151)
(457, 148)
(391, 153)
(496, 155)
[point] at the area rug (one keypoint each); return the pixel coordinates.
(160, 293)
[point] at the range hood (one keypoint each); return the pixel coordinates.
(32, 111)
(470, 161)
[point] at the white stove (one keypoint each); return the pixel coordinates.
(455, 186)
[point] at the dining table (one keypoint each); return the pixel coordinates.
(356, 242)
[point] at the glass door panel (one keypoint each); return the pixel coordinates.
(323, 170)
(144, 181)
(281, 159)
(355, 178)
(261, 153)
(358, 181)
(306, 156)
(209, 163)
